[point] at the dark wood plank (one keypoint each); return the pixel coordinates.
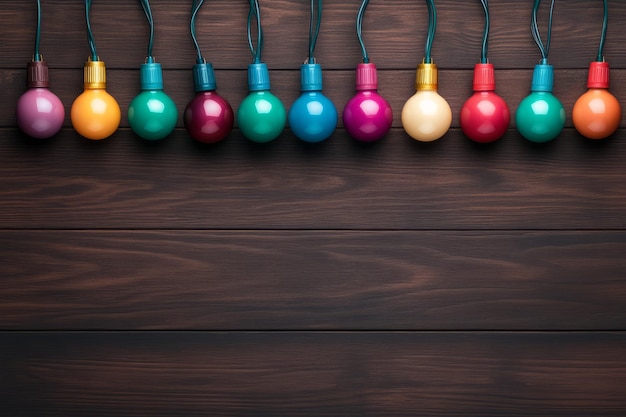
(304, 374)
(122, 182)
(396, 86)
(315, 280)
(395, 33)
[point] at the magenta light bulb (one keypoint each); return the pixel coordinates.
(40, 113)
(367, 116)
(208, 117)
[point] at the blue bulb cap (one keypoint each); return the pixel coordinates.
(311, 77)
(543, 78)
(258, 77)
(151, 76)
(204, 77)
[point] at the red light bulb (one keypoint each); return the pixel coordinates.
(485, 116)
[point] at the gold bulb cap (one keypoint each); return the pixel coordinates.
(95, 76)
(426, 77)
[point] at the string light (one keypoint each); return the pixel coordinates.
(485, 116)
(540, 116)
(95, 113)
(427, 116)
(261, 115)
(39, 112)
(367, 116)
(152, 114)
(313, 116)
(208, 117)
(597, 113)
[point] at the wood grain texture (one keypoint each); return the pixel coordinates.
(286, 374)
(503, 264)
(315, 280)
(123, 182)
(394, 32)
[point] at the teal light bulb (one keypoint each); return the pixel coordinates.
(540, 116)
(152, 114)
(261, 115)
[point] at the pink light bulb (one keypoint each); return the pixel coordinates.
(367, 116)
(40, 113)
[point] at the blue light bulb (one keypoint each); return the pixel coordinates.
(313, 116)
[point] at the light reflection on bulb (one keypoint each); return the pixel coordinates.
(426, 116)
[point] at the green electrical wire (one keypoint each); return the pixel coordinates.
(92, 44)
(36, 54)
(145, 4)
(314, 30)
(605, 23)
(255, 13)
(359, 31)
(432, 27)
(483, 57)
(534, 28)
(195, 8)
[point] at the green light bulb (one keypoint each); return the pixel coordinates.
(152, 114)
(261, 115)
(540, 116)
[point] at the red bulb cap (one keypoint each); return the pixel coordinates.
(37, 74)
(598, 75)
(484, 77)
(366, 77)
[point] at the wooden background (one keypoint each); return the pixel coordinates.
(398, 279)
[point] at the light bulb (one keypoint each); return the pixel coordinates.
(597, 113)
(39, 112)
(540, 116)
(95, 114)
(426, 116)
(485, 116)
(208, 117)
(152, 114)
(261, 115)
(313, 116)
(367, 116)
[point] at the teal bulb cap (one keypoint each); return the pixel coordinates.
(311, 77)
(151, 76)
(204, 77)
(543, 78)
(258, 77)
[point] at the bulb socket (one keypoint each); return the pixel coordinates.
(311, 77)
(366, 77)
(543, 78)
(151, 76)
(258, 77)
(598, 75)
(204, 77)
(94, 75)
(37, 74)
(484, 77)
(426, 77)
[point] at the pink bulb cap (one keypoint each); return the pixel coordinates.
(484, 77)
(37, 75)
(598, 75)
(366, 77)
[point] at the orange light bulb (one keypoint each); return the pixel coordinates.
(597, 113)
(95, 113)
